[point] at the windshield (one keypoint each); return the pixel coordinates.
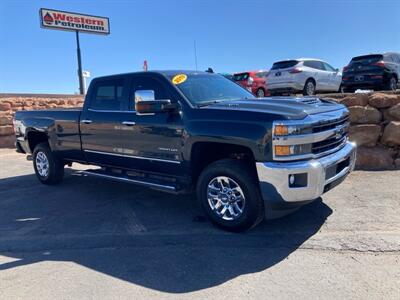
(240, 76)
(284, 64)
(203, 88)
(366, 59)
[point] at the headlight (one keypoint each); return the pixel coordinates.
(286, 130)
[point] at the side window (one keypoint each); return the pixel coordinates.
(108, 95)
(320, 65)
(329, 68)
(308, 63)
(314, 64)
(147, 88)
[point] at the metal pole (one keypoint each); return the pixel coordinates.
(80, 75)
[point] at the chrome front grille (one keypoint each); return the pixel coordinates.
(320, 135)
(330, 124)
(329, 144)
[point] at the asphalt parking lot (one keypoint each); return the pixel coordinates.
(91, 238)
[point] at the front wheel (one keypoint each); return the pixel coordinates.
(48, 168)
(228, 193)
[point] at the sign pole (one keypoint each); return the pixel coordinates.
(78, 52)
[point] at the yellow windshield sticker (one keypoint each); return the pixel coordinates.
(178, 79)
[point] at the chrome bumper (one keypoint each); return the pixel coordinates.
(322, 174)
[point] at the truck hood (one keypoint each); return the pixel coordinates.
(290, 107)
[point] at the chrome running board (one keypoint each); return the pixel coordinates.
(124, 178)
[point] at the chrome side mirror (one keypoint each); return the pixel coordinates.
(144, 95)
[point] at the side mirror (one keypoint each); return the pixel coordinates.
(154, 106)
(337, 70)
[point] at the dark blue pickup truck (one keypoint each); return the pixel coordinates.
(185, 131)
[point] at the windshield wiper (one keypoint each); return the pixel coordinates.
(206, 103)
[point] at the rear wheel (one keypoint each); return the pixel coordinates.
(347, 90)
(392, 84)
(48, 168)
(309, 88)
(260, 93)
(229, 195)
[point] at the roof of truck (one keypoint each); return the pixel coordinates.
(163, 72)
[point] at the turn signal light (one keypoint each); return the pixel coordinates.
(282, 150)
(281, 130)
(380, 63)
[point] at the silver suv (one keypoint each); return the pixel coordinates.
(306, 75)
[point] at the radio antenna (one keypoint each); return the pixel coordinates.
(195, 53)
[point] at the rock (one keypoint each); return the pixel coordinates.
(6, 120)
(6, 130)
(5, 106)
(7, 141)
(355, 100)
(381, 100)
(391, 134)
(394, 112)
(365, 134)
(376, 158)
(364, 114)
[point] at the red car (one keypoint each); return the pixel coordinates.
(253, 81)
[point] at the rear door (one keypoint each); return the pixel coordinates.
(242, 79)
(101, 121)
(280, 72)
(361, 68)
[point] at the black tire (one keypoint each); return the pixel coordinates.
(260, 93)
(391, 84)
(53, 173)
(307, 89)
(242, 175)
(347, 90)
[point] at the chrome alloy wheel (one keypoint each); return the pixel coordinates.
(225, 198)
(42, 164)
(310, 88)
(393, 84)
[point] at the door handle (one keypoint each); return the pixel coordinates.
(86, 121)
(128, 123)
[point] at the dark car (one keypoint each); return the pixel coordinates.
(189, 131)
(253, 81)
(372, 71)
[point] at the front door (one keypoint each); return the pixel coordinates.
(102, 120)
(334, 78)
(153, 142)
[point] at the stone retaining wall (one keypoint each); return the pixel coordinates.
(375, 122)
(10, 103)
(375, 127)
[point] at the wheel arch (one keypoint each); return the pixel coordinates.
(204, 153)
(35, 137)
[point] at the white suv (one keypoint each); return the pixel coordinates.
(306, 75)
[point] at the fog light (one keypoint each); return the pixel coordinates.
(291, 179)
(298, 180)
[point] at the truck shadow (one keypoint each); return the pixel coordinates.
(138, 235)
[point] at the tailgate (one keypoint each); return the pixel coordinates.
(280, 71)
